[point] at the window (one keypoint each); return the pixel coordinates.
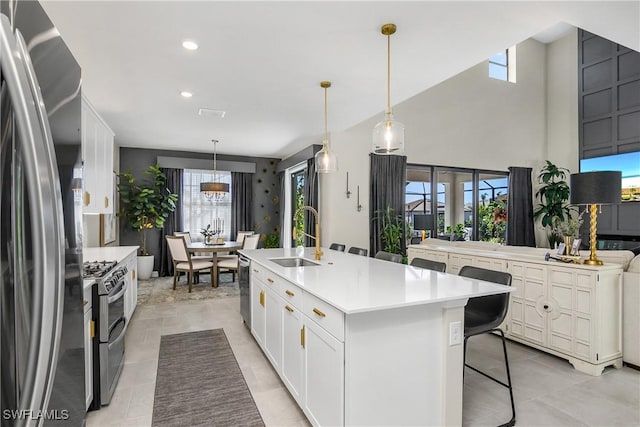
(198, 211)
(502, 65)
(469, 204)
(294, 198)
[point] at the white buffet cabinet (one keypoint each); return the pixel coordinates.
(570, 310)
(360, 341)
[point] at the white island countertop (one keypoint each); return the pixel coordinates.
(355, 284)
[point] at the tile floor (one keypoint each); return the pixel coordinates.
(548, 391)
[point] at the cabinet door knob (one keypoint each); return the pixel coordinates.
(288, 292)
(289, 309)
(87, 198)
(546, 306)
(106, 202)
(269, 280)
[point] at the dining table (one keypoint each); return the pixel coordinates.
(213, 249)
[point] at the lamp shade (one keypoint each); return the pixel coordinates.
(422, 222)
(599, 188)
(214, 187)
(326, 161)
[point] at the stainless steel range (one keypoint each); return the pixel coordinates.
(111, 325)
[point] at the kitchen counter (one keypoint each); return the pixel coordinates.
(354, 283)
(361, 341)
(108, 253)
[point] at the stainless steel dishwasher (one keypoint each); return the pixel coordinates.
(244, 267)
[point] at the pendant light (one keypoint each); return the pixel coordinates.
(388, 135)
(214, 190)
(325, 159)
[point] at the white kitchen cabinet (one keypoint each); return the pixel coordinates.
(273, 328)
(292, 371)
(89, 332)
(323, 376)
(457, 261)
(131, 293)
(97, 158)
(258, 312)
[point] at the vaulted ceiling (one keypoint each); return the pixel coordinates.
(262, 62)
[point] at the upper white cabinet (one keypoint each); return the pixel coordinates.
(97, 157)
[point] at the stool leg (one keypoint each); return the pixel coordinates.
(512, 421)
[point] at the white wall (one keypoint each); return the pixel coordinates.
(469, 121)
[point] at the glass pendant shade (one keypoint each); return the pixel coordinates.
(326, 161)
(388, 136)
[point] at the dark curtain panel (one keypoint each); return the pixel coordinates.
(241, 202)
(310, 199)
(520, 230)
(283, 193)
(173, 222)
(386, 188)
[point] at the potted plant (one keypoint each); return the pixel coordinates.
(392, 228)
(144, 206)
(553, 194)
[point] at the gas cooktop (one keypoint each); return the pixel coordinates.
(97, 268)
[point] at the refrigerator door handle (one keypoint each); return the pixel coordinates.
(47, 230)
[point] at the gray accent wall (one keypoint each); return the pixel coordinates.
(266, 187)
(609, 115)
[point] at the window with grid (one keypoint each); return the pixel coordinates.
(502, 65)
(198, 211)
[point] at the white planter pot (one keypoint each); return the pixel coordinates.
(145, 267)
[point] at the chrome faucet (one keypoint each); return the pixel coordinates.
(318, 253)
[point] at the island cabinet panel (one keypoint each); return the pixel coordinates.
(258, 312)
(323, 376)
(457, 261)
(273, 329)
(293, 351)
(527, 320)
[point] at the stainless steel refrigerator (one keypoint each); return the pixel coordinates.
(41, 298)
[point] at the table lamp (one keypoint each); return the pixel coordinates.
(423, 222)
(593, 189)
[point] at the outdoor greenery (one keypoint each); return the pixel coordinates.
(145, 205)
(298, 219)
(553, 208)
(492, 220)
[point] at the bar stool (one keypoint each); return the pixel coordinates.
(485, 314)
(429, 264)
(337, 247)
(388, 256)
(357, 251)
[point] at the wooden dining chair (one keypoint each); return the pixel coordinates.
(183, 261)
(230, 263)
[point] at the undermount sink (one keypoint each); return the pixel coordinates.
(294, 262)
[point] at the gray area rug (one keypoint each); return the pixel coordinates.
(160, 289)
(200, 383)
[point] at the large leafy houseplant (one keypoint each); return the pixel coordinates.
(553, 194)
(145, 205)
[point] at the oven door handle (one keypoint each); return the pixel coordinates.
(123, 285)
(121, 336)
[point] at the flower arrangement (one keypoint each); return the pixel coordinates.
(207, 232)
(570, 227)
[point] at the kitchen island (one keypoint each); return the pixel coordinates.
(360, 341)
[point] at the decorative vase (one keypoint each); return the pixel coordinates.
(207, 240)
(568, 244)
(300, 251)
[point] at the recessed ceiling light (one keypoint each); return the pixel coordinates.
(186, 94)
(189, 45)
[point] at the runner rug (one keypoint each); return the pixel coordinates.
(199, 382)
